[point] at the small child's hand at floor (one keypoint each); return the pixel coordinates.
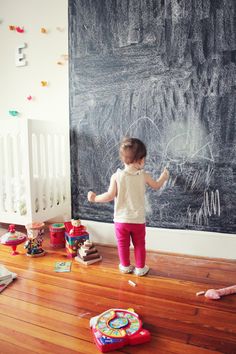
(91, 196)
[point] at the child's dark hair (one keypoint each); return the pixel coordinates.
(132, 150)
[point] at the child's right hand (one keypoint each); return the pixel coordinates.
(91, 196)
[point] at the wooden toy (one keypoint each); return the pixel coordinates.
(88, 254)
(75, 235)
(33, 245)
(115, 328)
(57, 235)
(12, 239)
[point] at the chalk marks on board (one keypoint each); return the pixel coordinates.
(165, 74)
(210, 206)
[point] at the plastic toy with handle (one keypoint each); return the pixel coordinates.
(115, 328)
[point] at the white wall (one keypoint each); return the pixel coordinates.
(205, 244)
(51, 103)
(42, 53)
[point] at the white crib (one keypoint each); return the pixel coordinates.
(34, 171)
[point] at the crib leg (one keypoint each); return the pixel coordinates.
(14, 252)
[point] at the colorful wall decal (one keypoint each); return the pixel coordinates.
(13, 113)
(20, 29)
(44, 83)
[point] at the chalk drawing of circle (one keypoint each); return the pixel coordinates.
(177, 148)
(118, 323)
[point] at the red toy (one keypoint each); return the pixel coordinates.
(115, 328)
(75, 236)
(57, 235)
(13, 238)
(75, 228)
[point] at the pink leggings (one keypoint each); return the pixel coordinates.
(136, 232)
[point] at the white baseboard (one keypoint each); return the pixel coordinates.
(197, 243)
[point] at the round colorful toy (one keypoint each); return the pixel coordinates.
(115, 328)
(12, 239)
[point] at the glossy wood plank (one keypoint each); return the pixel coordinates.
(47, 312)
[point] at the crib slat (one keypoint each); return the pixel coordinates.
(8, 172)
(16, 173)
(37, 192)
(2, 177)
(58, 169)
(27, 169)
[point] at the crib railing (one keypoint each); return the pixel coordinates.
(34, 171)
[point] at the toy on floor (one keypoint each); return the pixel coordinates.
(34, 243)
(76, 227)
(88, 254)
(12, 239)
(216, 294)
(115, 328)
(75, 235)
(57, 235)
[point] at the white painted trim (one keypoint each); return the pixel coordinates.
(197, 243)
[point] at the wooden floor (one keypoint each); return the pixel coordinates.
(47, 312)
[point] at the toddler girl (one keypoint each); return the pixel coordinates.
(127, 187)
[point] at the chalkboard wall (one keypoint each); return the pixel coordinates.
(165, 72)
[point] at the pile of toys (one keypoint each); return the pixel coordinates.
(72, 235)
